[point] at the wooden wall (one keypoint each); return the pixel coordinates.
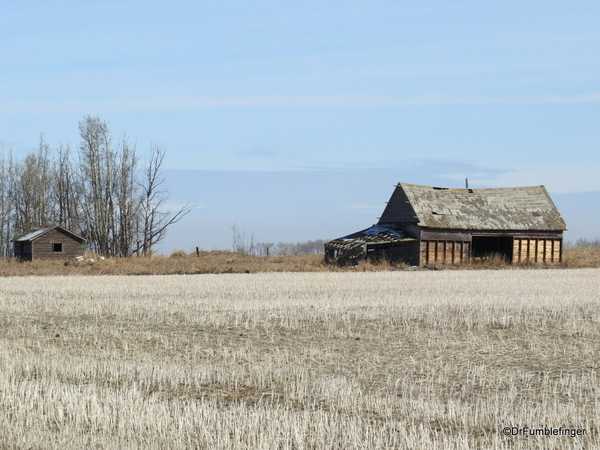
(42, 248)
(537, 250)
(451, 247)
(444, 252)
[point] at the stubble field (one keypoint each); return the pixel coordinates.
(322, 360)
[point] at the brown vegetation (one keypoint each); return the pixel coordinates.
(228, 262)
(178, 263)
(588, 256)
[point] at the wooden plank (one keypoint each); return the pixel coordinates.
(423, 253)
(431, 253)
(531, 250)
(444, 236)
(516, 257)
(548, 250)
(557, 253)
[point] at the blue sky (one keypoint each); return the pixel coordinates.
(294, 120)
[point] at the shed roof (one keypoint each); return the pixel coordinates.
(377, 234)
(514, 208)
(36, 234)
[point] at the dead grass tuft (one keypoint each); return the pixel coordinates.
(574, 257)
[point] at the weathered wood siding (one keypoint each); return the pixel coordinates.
(456, 247)
(452, 252)
(537, 250)
(398, 209)
(43, 248)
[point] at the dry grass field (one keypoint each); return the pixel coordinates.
(180, 263)
(322, 360)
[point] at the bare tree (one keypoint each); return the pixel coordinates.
(237, 239)
(102, 195)
(247, 245)
(67, 191)
(95, 164)
(6, 206)
(110, 196)
(31, 195)
(156, 218)
(128, 200)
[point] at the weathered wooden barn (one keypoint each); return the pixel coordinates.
(424, 225)
(53, 242)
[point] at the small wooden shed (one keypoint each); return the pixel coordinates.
(53, 242)
(455, 226)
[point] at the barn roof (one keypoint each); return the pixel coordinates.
(377, 234)
(515, 208)
(36, 234)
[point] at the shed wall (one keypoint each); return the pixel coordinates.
(43, 247)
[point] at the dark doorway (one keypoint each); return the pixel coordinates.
(485, 246)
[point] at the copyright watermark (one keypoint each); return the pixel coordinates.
(545, 431)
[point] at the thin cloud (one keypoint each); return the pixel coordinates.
(197, 103)
(559, 178)
(259, 152)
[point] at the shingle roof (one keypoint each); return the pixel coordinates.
(516, 208)
(32, 235)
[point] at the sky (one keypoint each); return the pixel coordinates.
(294, 120)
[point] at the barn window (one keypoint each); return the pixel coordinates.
(57, 247)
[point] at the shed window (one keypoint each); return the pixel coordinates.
(57, 247)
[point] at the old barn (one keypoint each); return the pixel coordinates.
(53, 242)
(425, 225)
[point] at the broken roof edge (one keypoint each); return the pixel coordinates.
(473, 190)
(375, 234)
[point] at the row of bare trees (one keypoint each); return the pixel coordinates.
(247, 245)
(102, 191)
